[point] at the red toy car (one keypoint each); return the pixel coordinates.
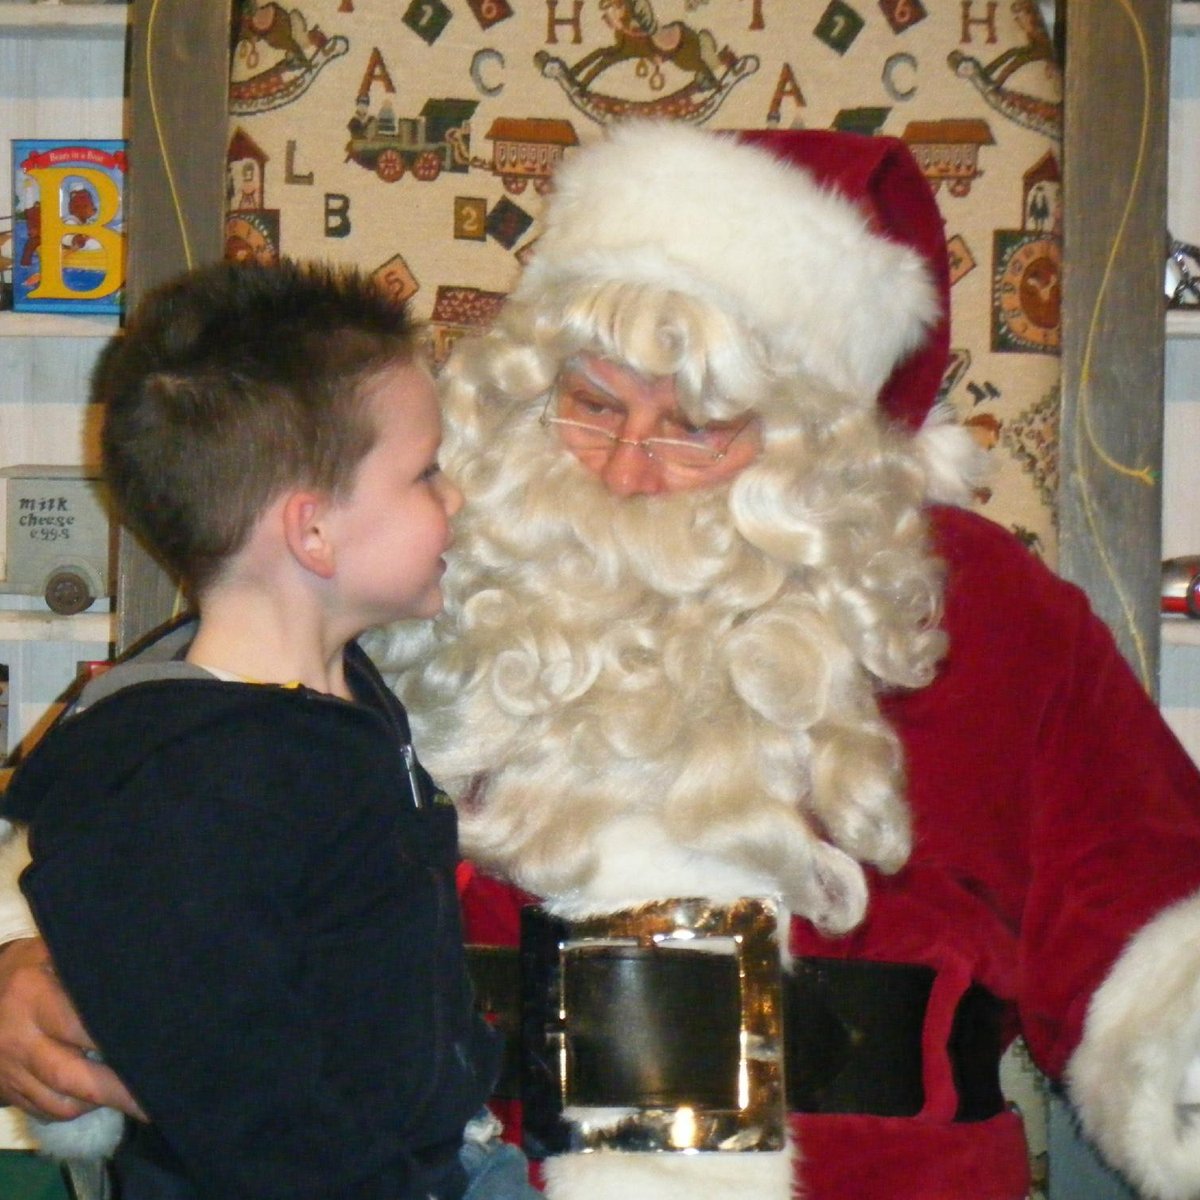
(1181, 586)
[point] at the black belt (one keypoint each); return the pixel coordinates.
(651, 1029)
(854, 1040)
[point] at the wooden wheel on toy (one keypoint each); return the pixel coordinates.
(389, 166)
(67, 593)
(428, 165)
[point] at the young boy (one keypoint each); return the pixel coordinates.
(245, 877)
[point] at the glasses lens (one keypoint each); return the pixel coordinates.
(683, 455)
(579, 436)
(589, 408)
(585, 423)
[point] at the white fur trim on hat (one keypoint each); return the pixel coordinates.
(1128, 1075)
(728, 223)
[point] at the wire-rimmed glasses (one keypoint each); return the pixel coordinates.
(694, 454)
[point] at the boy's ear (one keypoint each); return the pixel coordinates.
(306, 532)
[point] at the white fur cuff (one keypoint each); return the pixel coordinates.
(1128, 1075)
(94, 1135)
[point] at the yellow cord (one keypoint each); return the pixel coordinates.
(177, 605)
(1144, 475)
(177, 208)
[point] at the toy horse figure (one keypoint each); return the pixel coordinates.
(271, 23)
(278, 56)
(639, 36)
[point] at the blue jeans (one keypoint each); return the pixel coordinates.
(495, 1169)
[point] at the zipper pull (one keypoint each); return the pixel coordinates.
(414, 783)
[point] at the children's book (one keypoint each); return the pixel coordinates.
(68, 225)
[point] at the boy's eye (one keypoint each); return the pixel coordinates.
(431, 472)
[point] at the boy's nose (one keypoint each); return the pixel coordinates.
(452, 498)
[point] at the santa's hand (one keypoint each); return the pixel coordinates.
(44, 1070)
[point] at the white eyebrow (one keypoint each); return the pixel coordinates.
(579, 368)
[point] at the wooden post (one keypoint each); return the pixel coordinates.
(179, 130)
(1115, 190)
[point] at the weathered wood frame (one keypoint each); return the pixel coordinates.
(178, 132)
(1115, 189)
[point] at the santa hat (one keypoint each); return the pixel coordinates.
(828, 246)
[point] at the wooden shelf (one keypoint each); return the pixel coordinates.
(67, 19)
(1183, 323)
(27, 324)
(49, 627)
(1185, 16)
(1181, 631)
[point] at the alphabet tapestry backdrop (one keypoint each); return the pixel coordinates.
(416, 139)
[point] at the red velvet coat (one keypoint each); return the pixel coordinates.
(1054, 815)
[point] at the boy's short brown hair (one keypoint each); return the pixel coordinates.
(232, 383)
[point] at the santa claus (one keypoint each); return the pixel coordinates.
(723, 666)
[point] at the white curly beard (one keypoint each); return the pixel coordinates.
(628, 699)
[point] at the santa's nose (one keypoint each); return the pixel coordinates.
(630, 471)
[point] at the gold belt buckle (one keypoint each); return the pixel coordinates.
(756, 1119)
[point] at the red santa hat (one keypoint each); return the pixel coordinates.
(881, 175)
(829, 246)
